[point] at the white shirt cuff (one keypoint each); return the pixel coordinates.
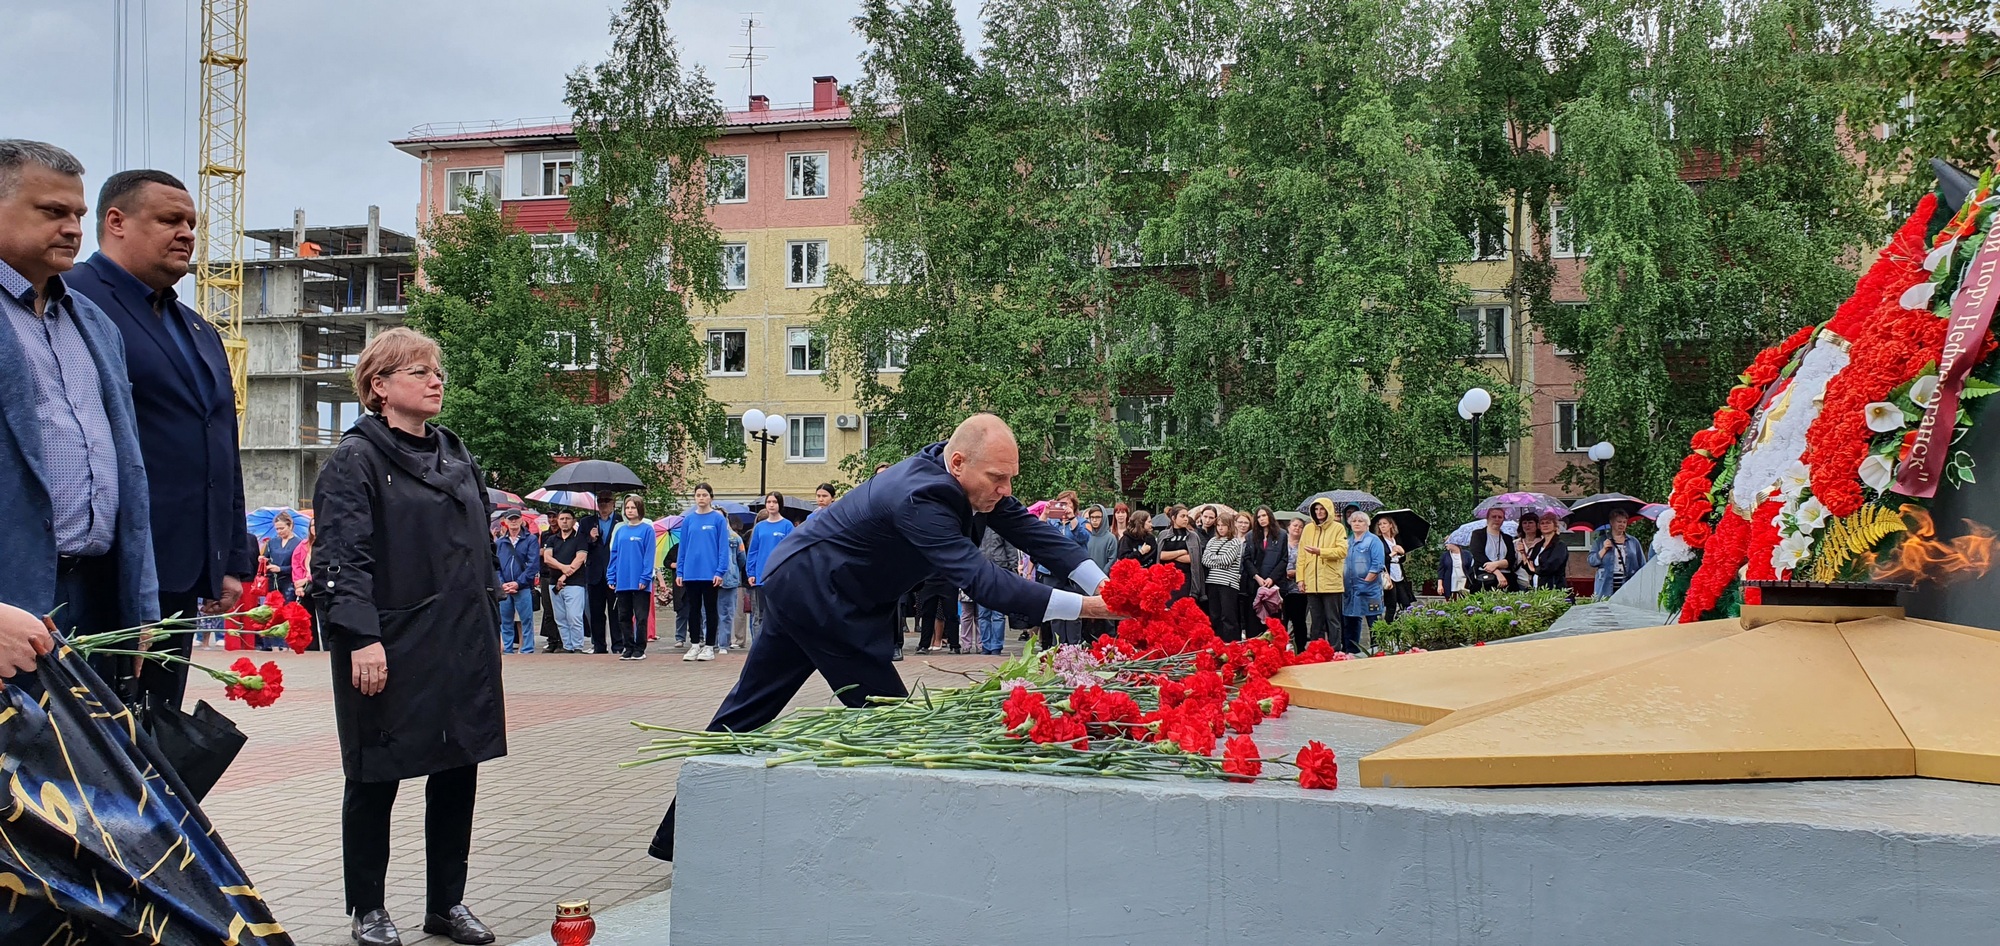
(1087, 576)
(1063, 606)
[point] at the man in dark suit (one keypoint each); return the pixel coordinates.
(185, 403)
(831, 588)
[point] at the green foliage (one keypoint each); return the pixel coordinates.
(1475, 618)
(481, 302)
(1931, 72)
(647, 256)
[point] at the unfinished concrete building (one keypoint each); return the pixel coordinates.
(312, 297)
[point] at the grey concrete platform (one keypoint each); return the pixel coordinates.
(796, 854)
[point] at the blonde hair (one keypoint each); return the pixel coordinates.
(387, 353)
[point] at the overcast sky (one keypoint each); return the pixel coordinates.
(332, 83)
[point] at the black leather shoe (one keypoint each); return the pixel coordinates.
(459, 924)
(897, 654)
(374, 928)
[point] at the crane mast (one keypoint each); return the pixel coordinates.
(219, 244)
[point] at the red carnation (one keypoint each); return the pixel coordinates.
(1744, 397)
(1243, 715)
(1066, 729)
(1241, 759)
(1317, 766)
(274, 687)
(1318, 652)
(1021, 706)
(298, 626)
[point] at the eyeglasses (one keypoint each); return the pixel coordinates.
(424, 372)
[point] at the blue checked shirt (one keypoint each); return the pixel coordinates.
(78, 456)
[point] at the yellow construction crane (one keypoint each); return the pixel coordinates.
(219, 244)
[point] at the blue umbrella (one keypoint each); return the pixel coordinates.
(738, 513)
(263, 522)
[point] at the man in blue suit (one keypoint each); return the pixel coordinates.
(184, 402)
(831, 588)
(71, 477)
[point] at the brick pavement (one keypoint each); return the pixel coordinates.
(556, 818)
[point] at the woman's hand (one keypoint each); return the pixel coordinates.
(24, 638)
(677, 581)
(371, 669)
(1310, 549)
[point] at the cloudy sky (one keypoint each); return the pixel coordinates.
(332, 83)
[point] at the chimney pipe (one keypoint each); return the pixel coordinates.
(826, 93)
(760, 103)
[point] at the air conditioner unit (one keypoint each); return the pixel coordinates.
(847, 421)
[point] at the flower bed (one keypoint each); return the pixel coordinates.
(1473, 619)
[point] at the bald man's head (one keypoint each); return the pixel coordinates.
(983, 456)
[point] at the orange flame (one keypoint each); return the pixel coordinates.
(1922, 557)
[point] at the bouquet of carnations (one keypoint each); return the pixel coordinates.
(273, 618)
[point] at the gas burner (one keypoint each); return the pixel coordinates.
(1857, 594)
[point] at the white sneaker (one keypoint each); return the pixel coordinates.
(694, 652)
(707, 653)
(722, 651)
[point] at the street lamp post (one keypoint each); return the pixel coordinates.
(1602, 452)
(765, 429)
(1472, 406)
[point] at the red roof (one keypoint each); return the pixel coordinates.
(448, 132)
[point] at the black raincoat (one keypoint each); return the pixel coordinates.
(403, 558)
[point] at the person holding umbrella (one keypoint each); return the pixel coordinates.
(1396, 593)
(405, 577)
(1617, 555)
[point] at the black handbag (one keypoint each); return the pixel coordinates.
(199, 745)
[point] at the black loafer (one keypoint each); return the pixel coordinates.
(459, 924)
(374, 928)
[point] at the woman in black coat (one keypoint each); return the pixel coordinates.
(1493, 557)
(406, 578)
(1263, 565)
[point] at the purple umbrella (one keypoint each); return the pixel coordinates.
(1517, 503)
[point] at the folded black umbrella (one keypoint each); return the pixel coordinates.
(593, 476)
(198, 745)
(106, 843)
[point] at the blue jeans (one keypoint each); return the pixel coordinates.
(992, 630)
(517, 620)
(754, 617)
(725, 615)
(570, 603)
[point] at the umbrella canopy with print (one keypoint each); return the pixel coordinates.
(1341, 499)
(666, 524)
(1652, 510)
(565, 497)
(106, 843)
(1412, 530)
(263, 523)
(593, 476)
(1516, 503)
(1596, 510)
(501, 499)
(1462, 536)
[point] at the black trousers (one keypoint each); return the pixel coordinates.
(1224, 613)
(1295, 620)
(161, 683)
(597, 615)
(364, 838)
(1323, 617)
(703, 611)
(87, 603)
(854, 662)
(551, 635)
(628, 621)
(937, 608)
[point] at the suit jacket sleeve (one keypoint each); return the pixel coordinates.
(936, 532)
(343, 564)
(1048, 545)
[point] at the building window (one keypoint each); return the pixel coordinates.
(550, 258)
(1570, 436)
(558, 173)
(725, 442)
(1488, 243)
(1562, 234)
(895, 353)
(729, 178)
(483, 183)
(574, 351)
(805, 175)
(876, 428)
(808, 264)
(1144, 422)
(805, 351)
(807, 443)
(727, 352)
(882, 263)
(579, 441)
(735, 265)
(1489, 329)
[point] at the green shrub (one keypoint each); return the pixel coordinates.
(1486, 616)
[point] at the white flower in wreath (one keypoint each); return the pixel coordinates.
(1794, 480)
(1790, 553)
(1877, 472)
(1918, 297)
(1811, 516)
(1924, 391)
(1940, 256)
(1883, 417)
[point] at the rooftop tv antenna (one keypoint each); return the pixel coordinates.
(749, 57)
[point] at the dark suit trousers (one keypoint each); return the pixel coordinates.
(165, 684)
(597, 616)
(364, 838)
(779, 665)
(87, 603)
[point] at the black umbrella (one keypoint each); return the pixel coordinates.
(796, 510)
(501, 499)
(1411, 529)
(1341, 499)
(1596, 510)
(593, 476)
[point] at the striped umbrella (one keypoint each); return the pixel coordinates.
(565, 497)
